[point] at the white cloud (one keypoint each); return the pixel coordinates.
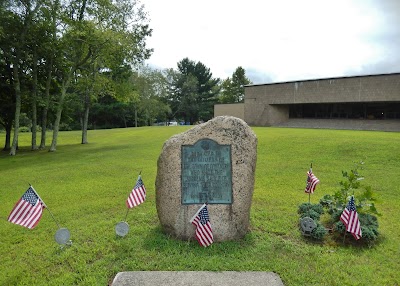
(280, 40)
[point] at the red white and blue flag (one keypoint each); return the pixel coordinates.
(137, 195)
(312, 182)
(28, 210)
(350, 219)
(204, 233)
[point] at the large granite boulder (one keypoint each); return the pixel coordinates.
(213, 162)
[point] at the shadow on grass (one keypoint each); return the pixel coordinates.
(65, 153)
(63, 148)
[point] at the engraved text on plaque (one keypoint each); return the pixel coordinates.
(206, 173)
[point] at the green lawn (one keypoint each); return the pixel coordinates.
(85, 187)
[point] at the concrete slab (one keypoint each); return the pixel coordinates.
(197, 278)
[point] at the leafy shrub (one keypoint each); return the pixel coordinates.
(24, 129)
(351, 186)
(313, 211)
(38, 128)
(336, 203)
(64, 127)
(369, 227)
(319, 232)
(28, 129)
(364, 201)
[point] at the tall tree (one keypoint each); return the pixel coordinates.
(7, 98)
(150, 85)
(232, 89)
(49, 53)
(17, 23)
(101, 35)
(7, 103)
(193, 91)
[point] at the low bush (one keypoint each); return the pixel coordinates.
(313, 211)
(24, 129)
(335, 204)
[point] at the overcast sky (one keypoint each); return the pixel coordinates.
(277, 40)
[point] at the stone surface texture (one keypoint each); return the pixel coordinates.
(229, 221)
(197, 278)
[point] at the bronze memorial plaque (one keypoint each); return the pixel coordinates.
(206, 173)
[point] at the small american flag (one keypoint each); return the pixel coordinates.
(350, 219)
(312, 182)
(138, 194)
(204, 233)
(28, 210)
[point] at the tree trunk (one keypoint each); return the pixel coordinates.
(34, 96)
(56, 126)
(85, 119)
(46, 106)
(17, 88)
(135, 117)
(49, 78)
(10, 109)
(20, 45)
(124, 119)
(7, 144)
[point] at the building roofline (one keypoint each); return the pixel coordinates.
(328, 78)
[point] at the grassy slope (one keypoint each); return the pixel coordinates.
(85, 187)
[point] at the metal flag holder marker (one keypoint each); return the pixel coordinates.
(307, 224)
(62, 235)
(122, 228)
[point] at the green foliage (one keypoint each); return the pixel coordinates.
(351, 186)
(369, 228)
(339, 227)
(69, 45)
(335, 204)
(193, 91)
(364, 199)
(232, 89)
(313, 211)
(319, 232)
(64, 127)
(24, 129)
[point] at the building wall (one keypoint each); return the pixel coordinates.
(268, 104)
(234, 109)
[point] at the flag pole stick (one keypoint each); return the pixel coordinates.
(126, 215)
(309, 195)
(46, 207)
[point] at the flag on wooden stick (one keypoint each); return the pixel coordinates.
(204, 233)
(28, 210)
(137, 195)
(312, 182)
(350, 219)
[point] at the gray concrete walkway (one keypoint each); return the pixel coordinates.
(197, 278)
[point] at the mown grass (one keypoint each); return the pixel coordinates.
(85, 187)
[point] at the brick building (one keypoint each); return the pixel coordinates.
(369, 102)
